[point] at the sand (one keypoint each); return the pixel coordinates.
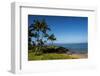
(81, 56)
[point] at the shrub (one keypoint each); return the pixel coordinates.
(55, 49)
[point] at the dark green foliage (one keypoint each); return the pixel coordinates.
(52, 38)
(62, 50)
(38, 35)
(54, 49)
(49, 49)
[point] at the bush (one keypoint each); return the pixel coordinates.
(38, 50)
(55, 49)
(62, 50)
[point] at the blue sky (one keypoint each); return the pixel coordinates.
(67, 29)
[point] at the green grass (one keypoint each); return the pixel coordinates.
(52, 56)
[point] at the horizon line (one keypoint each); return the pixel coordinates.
(68, 43)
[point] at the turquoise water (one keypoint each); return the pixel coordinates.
(75, 47)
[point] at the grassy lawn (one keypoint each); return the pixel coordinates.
(52, 56)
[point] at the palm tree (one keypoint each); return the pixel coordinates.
(45, 30)
(41, 28)
(39, 31)
(52, 38)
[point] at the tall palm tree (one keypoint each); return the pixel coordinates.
(30, 35)
(39, 30)
(45, 30)
(52, 38)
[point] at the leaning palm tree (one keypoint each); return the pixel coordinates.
(29, 39)
(52, 38)
(39, 31)
(45, 30)
(42, 29)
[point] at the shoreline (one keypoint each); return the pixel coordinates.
(85, 55)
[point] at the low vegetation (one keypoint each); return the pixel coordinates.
(38, 48)
(51, 56)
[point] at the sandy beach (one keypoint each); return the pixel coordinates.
(80, 56)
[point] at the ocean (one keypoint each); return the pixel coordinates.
(75, 47)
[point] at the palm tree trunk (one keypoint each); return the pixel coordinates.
(42, 37)
(38, 38)
(52, 42)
